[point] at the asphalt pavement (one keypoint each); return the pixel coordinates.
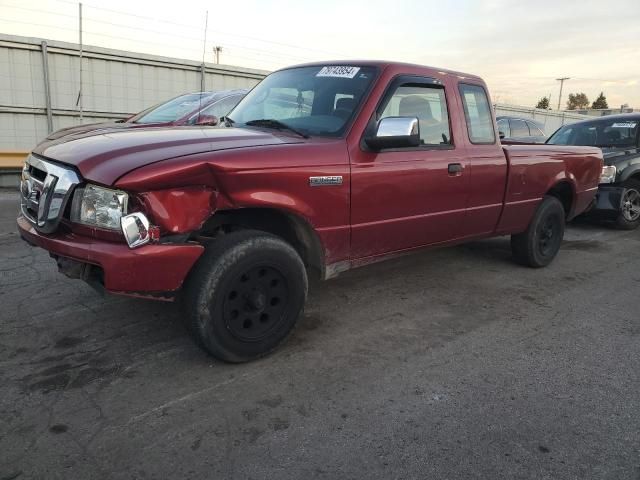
(446, 364)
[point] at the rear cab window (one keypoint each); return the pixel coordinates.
(477, 113)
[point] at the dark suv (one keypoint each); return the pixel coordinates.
(619, 138)
(514, 129)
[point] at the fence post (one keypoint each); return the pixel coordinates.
(202, 73)
(80, 99)
(47, 86)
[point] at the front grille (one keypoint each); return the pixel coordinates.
(31, 189)
(44, 192)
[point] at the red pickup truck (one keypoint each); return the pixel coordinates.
(320, 168)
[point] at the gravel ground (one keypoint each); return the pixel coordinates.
(448, 364)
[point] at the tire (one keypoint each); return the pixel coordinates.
(539, 244)
(244, 296)
(629, 216)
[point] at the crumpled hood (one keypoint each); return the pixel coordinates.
(104, 156)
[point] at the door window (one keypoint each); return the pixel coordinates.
(535, 130)
(428, 104)
(222, 107)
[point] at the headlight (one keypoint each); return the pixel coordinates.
(608, 174)
(99, 207)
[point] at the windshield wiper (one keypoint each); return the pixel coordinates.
(277, 124)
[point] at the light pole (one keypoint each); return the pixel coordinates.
(561, 80)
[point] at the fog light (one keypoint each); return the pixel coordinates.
(136, 229)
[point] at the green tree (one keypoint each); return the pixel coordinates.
(600, 102)
(543, 103)
(577, 101)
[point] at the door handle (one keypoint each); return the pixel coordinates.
(455, 169)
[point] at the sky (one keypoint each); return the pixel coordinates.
(519, 47)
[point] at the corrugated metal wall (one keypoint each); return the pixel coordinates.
(115, 84)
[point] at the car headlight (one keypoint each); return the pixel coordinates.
(608, 174)
(99, 207)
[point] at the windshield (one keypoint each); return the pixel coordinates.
(317, 100)
(173, 109)
(599, 133)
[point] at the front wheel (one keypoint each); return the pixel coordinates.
(629, 216)
(539, 244)
(245, 295)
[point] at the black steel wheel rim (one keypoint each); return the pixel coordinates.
(549, 235)
(255, 303)
(631, 205)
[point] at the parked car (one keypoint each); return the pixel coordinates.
(524, 130)
(618, 136)
(199, 108)
(358, 163)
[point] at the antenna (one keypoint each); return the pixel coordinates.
(202, 72)
(80, 99)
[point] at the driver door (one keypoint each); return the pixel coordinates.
(405, 198)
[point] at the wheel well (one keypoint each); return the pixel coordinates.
(563, 191)
(293, 229)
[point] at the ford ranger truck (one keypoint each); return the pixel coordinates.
(319, 169)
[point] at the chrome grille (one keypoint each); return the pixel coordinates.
(45, 190)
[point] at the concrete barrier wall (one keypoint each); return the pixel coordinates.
(39, 85)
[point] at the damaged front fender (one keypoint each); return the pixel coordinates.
(179, 210)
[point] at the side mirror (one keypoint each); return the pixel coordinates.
(395, 132)
(501, 135)
(207, 120)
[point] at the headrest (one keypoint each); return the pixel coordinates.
(415, 106)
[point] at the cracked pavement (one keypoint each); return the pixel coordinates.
(452, 363)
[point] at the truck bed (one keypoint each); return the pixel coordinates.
(533, 169)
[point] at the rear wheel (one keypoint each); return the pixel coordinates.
(539, 244)
(245, 295)
(629, 216)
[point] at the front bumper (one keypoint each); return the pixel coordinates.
(608, 201)
(151, 270)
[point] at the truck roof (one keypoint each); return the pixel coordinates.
(383, 64)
